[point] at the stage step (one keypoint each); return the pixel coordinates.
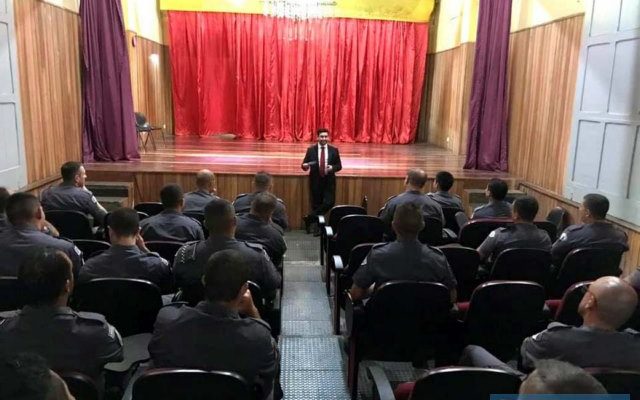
(112, 195)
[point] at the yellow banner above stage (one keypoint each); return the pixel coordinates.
(391, 10)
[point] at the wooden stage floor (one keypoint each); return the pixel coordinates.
(189, 154)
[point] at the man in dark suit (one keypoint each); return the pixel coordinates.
(322, 161)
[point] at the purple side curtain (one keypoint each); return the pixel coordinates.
(108, 125)
(487, 147)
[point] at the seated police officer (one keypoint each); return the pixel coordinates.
(522, 234)
(594, 231)
(72, 195)
(128, 256)
(212, 335)
(196, 200)
(605, 307)
(442, 184)
(69, 341)
(4, 196)
(497, 207)
(414, 183)
(257, 227)
(190, 260)
(262, 182)
(404, 259)
(25, 233)
(171, 224)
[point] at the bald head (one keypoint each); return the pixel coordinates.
(608, 303)
(205, 180)
(416, 178)
(558, 377)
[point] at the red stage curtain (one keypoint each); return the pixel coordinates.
(280, 79)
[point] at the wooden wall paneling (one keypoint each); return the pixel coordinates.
(49, 66)
(542, 70)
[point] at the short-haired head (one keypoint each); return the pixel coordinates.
(225, 274)
(407, 220)
(559, 377)
(608, 303)
(70, 170)
(595, 206)
(219, 215)
(497, 189)
(205, 180)
(262, 181)
(27, 376)
(171, 196)
(320, 131)
(444, 180)
(416, 177)
(46, 275)
(526, 208)
(23, 208)
(264, 204)
(124, 222)
(4, 197)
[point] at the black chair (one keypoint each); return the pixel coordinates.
(502, 314)
(80, 386)
(464, 263)
(402, 321)
(271, 313)
(143, 126)
(335, 215)
(71, 224)
(567, 312)
(522, 265)
(149, 208)
(548, 227)
(342, 278)
(91, 248)
(450, 383)
(450, 221)
(131, 305)
(172, 384)
(198, 216)
(431, 234)
(12, 295)
(586, 264)
(352, 231)
(560, 218)
(474, 232)
(166, 249)
(618, 381)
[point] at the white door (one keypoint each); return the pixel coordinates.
(12, 162)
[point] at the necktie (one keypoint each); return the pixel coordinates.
(322, 166)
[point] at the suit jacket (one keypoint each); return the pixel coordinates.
(332, 158)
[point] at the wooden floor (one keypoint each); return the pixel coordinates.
(189, 154)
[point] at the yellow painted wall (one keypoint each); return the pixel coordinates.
(457, 19)
(144, 18)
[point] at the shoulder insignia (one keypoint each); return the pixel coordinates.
(380, 245)
(280, 200)
(555, 326)
(435, 250)
(94, 200)
(187, 252)
(254, 246)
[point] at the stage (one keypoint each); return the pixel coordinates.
(372, 170)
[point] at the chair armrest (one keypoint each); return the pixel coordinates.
(449, 234)
(354, 314)
(337, 264)
(381, 386)
(328, 232)
(321, 221)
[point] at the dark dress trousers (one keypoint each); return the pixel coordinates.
(323, 188)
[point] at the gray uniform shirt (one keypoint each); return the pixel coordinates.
(172, 226)
(446, 199)
(494, 209)
(598, 234)
(242, 205)
(515, 236)
(428, 206)
(128, 262)
(404, 260)
(68, 340)
(210, 336)
(583, 346)
(72, 198)
(196, 200)
(252, 229)
(17, 243)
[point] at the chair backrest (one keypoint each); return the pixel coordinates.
(567, 312)
(365, 203)
(149, 208)
(257, 296)
(198, 216)
(450, 221)
(618, 381)
(523, 265)
(473, 233)
(502, 313)
(432, 232)
(71, 224)
(464, 263)
(166, 249)
(11, 293)
(356, 257)
(548, 227)
(141, 120)
(171, 384)
(357, 229)
(91, 248)
(464, 383)
(80, 386)
(131, 305)
(401, 317)
(559, 217)
(337, 212)
(586, 264)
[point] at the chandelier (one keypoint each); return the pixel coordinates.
(298, 9)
